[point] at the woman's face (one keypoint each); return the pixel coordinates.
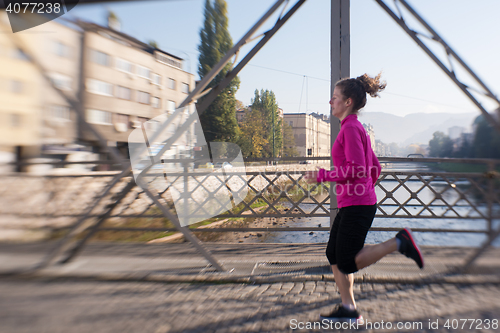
(340, 107)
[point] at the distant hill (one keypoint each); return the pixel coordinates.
(415, 127)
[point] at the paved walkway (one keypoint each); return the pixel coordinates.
(90, 306)
(243, 263)
(273, 288)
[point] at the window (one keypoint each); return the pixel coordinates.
(121, 122)
(156, 79)
(170, 106)
(99, 87)
(59, 112)
(143, 97)
(100, 58)
(123, 93)
(124, 65)
(16, 120)
(185, 88)
(99, 117)
(171, 83)
(61, 81)
(61, 49)
(17, 87)
(155, 102)
(143, 72)
(291, 123)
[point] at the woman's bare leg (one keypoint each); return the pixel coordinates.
(370, 254)
(345, 284)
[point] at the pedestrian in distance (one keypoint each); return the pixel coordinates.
(356, 170)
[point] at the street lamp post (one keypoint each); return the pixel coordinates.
(273, 133)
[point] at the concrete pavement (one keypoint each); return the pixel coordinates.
(96, 306)
(243, 262)
(271, 288)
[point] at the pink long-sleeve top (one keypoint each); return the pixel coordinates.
(356, 168)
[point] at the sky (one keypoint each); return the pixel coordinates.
(295, 63)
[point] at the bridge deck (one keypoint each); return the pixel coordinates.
(244, 263)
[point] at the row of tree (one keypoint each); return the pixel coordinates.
(484, 144)
(262, 131)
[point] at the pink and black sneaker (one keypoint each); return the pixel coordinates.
(409, 248)
(342, 314)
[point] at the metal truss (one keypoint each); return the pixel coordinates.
(68, 250)
(452, 57)
(285, 194)
(64, 246)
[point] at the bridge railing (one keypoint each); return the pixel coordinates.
(405, 189)
(409, 188)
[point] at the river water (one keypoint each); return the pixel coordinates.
(423, 238)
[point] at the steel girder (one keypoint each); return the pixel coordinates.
(64, 244)
(466, 89)
(450, 70)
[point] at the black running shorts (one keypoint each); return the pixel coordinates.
(347, 236)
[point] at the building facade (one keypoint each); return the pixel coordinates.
(118, 81)
(371, 133)
(35, 116)
(128, 82)
(311, 133)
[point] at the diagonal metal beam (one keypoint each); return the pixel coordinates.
(75, 105)
(449, 51)
(78, 247)
(116, 156)
(208, 78)
(198, 91)
(470, 261)
(64, 243)
(192, 96)
(231, 75)
(184, 230)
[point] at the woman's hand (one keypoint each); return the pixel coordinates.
(311, 176)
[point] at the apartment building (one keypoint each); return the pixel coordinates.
(119, 81)
(371, 133)
(311, 133)
(33, 115)
(128, 82)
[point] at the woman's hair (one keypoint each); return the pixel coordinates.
(357, 88)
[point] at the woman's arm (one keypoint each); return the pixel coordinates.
(353, 167)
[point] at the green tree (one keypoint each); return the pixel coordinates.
(265, 102)
(289, 149)
(486, 139)
(154, 44)
(219, 119)
(440, 145)
(252, 139)
(465, 149)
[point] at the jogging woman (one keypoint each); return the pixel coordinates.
(356, 170)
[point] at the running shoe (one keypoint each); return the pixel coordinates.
(409, 247)
(342, 314)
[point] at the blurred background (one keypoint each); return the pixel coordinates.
(118, 81)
